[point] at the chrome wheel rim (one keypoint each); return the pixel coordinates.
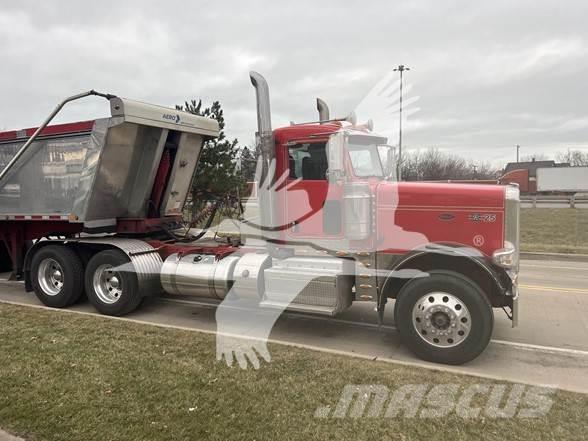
(441, 319)
(107, 284)
(50, 276)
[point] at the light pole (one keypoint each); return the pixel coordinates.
(518, 148)
(401, 68)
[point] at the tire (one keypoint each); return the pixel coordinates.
(57, 276)
(444, 318)
(111, 291)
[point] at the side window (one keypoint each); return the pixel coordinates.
(308, 161)
(296, 155)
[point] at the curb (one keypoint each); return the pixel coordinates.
(11, 283)
(5, 436)
(555, 256)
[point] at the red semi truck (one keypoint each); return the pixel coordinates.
(95, 207)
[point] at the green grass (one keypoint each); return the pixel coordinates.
(556, 230)
(65, 376)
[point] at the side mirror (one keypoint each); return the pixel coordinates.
(388, 158)
(336, 152)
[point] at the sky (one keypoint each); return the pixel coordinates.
(485, 76)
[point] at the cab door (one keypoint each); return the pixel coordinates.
(313, 205)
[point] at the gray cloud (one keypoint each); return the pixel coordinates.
(489, 75)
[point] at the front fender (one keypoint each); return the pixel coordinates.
(467, 261)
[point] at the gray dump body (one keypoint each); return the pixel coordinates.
(108, 171)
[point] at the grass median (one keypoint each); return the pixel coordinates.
(555, 230)
(65, 376)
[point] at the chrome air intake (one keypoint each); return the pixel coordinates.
(357, 203)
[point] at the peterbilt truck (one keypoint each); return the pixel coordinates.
(95, 208)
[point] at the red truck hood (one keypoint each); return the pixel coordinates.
(412, 214)
(419, 194)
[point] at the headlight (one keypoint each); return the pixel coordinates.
(506, 257)
(512, 193)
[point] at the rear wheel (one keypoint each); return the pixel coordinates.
(444, 318)
(111, 283)
(57, 276)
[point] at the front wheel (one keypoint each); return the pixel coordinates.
(111, 283)
(444, 318)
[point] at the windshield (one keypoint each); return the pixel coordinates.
(365, 158)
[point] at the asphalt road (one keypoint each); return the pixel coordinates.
(550, 346)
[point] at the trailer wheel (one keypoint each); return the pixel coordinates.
(444, 318)
(57, 276)
(111, 283)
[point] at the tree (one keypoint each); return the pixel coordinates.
(434, 165)
(575, 158)
(248, 163)
(216, 172)
(535, 157)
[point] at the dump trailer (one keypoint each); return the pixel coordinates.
(96, 207)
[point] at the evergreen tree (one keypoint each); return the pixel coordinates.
(216, 172)
(248, 161)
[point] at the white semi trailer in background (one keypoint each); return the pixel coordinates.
(562, 179)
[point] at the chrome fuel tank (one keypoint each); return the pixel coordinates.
(199, 275)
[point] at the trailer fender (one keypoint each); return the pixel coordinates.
(145, 259)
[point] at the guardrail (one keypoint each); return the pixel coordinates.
(549, 201)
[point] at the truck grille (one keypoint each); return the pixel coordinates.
(512, 217)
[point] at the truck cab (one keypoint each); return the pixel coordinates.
(445, 253)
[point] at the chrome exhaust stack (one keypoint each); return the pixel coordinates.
(323, 110)
(265, 140)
